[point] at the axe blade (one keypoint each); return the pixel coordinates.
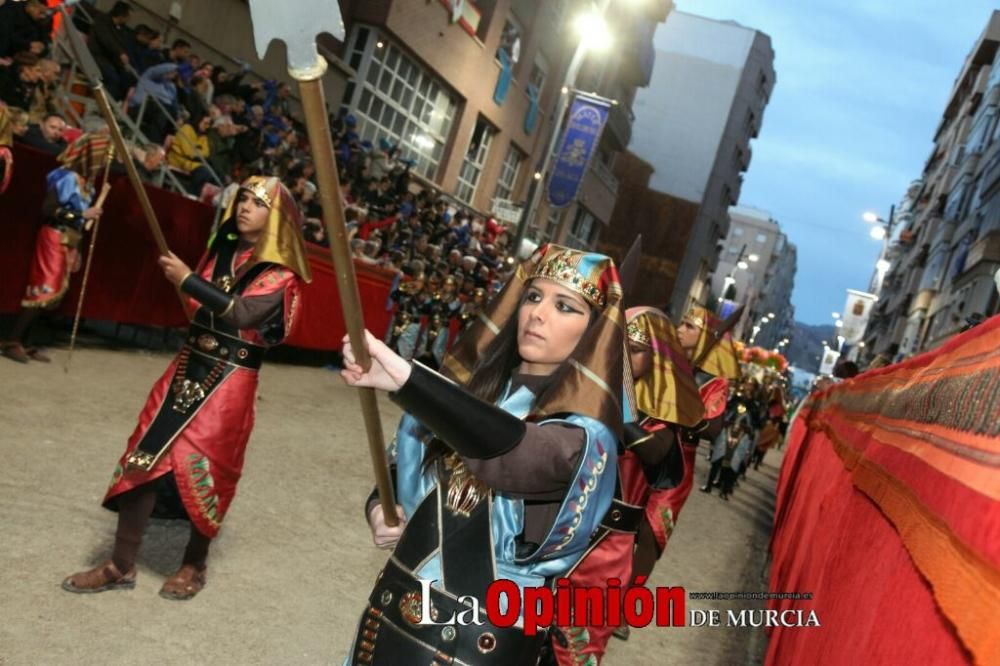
(297, 25)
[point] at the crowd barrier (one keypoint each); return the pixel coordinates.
(888, 513)
(127, 286)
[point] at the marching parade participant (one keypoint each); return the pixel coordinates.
(185, 458)
(666, 398)
(504, 472)
(68, 213)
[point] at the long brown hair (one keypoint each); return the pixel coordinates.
(495, 367)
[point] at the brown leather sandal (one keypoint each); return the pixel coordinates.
(184, 584)
(36, 354)
(100, 579)
(15, 352)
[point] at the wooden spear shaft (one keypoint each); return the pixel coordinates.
(314, 109)
(133, 176)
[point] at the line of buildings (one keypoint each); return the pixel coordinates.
(944, 249)
(469, 88)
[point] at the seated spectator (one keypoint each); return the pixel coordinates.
(383, 162)
(47, 136)
(43, 101)
(222, 142)
(13, 123)
(146, 48)
(178, 53)
(157, 82)
(314, 232)
(24, 27)
(19, 81)
(189, 153)
(195, 97)
(149, 162)
(108, 39)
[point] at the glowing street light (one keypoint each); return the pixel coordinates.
(882, 266)
(593, 31)
(870, 217)
(753, 257)
(878, 233)
(742, 265)
(836, 315)
(839, 323)
(770, 315)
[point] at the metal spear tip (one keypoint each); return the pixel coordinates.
(297, 25)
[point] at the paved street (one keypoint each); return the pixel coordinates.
(291, 569)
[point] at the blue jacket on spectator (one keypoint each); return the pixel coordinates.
(154, 82)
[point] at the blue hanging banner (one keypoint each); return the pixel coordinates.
(584, 125)
(728, 307)
(503, 80)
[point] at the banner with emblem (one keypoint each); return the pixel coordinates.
(857, 310)
(584, 125)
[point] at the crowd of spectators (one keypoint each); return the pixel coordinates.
(215, 126)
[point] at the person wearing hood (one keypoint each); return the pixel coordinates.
(651, 463)
(68, 213)
(159, 83)
(504, 465)
(185, 457)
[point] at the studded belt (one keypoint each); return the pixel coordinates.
(622, 517)
(225, 348)
(390, 632)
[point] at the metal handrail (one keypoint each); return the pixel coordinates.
(165, 173)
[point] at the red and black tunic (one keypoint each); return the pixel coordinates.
(198, 417)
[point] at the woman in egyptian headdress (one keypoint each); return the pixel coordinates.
(504, 466)
(13, 122)
(715, 366)
(654, 472)
(68, 214)
(185, 457)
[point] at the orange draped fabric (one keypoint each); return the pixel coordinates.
(888, 512)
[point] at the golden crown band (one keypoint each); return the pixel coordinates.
(560, 270)
(636, 334)
(695, 321)
(259, 191)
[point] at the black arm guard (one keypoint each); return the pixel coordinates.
(469, 426)
(69, 218)
(633, 434)
(206, 293)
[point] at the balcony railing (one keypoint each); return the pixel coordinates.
(619, 124)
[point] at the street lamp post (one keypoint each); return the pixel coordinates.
(881, 231)
(537, 183)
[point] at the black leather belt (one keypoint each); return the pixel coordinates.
(390, 634)
(225, 348)
(622, 517)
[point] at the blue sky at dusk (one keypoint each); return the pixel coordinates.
(861, 88)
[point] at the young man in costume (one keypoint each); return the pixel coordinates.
(506, 473)
(667, 398)
(186, 455)
(68, 214)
